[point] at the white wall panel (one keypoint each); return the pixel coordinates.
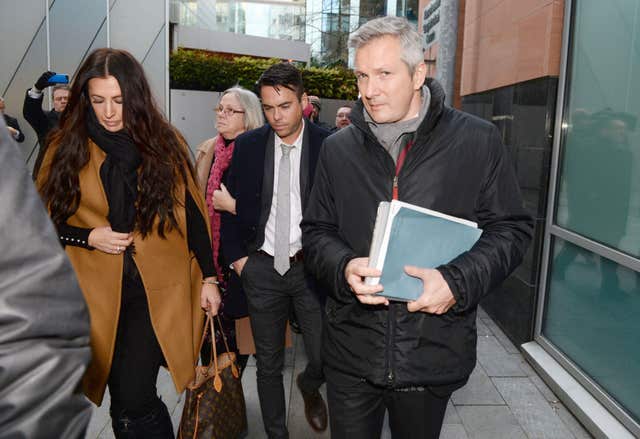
(19, 21)
(138, 26)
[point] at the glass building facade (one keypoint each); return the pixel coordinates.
(589, 308)
(323, 24)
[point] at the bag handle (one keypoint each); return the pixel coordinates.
(214, 354)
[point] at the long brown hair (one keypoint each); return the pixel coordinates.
(164, 156)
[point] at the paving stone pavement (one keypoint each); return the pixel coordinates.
(504, 398)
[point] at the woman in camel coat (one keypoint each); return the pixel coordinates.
(122, 194)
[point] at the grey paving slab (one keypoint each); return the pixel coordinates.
(531, 409)
(107, 434)
(478, 391)
(250, 389)
(490, 422)
(496, 361)
(525, 366)
(570, 421)
(386, 431)
(297, 421)
(482, 314)
(476, 411)
(453, 431)
(177, 413)
(501, 336)
(167, 390)
(451, 415)
(99, 421)
(544, 389)
(482, 328)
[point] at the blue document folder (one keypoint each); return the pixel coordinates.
(406, 234)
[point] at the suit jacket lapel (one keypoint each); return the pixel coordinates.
(267, 179)
(304, 166)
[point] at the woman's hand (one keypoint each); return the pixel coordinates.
(210, 298)
(222, 200)
(108, 241)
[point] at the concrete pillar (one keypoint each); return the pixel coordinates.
(448, 43)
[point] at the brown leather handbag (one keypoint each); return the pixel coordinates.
(214, 406)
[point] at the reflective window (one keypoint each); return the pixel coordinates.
(592, 315)
(599, 182)
(592, 304)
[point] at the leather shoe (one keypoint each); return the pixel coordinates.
(314, 408)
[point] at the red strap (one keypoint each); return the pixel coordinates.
(399, 164)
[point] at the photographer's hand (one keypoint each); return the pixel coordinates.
(43, 81)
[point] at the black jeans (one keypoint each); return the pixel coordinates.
(134, 369)
(270, 297)
(356, 409)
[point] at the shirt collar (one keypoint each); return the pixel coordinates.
(297, 143)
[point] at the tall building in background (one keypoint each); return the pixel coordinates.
(322, 24)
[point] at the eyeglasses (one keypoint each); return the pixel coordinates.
(228, 112)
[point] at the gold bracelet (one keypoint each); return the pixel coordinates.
(210, 282)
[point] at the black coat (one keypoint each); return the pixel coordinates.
(13, 123)
(458, 166)
(42, 123)
(250, 182)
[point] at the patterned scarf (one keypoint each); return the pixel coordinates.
(221, 161)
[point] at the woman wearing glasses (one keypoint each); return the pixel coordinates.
(239, 110)
(119, 186)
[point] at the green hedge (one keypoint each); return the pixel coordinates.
(197, 70)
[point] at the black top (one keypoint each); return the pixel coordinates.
(42, 122)
(13, 123)
(197, 237)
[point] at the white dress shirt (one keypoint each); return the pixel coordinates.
(295, 233)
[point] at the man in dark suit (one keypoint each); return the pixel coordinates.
(12, 124)
(44, 121)
(270, 177)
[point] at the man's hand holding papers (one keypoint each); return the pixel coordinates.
(436, 296)
(355, 272)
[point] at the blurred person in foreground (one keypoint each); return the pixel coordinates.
(120, 189)
(405, 143)
(239, 110)
(40, 120)
(44, 323)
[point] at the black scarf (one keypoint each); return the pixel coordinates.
(118, 173)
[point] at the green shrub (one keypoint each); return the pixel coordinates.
(198, 70)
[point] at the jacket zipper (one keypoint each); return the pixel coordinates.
(390, 319)
(395, 187)
(391, 335)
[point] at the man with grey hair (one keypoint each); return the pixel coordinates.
(405, 143)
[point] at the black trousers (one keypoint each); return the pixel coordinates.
(357, 408)
(270, 298)
(137, 356)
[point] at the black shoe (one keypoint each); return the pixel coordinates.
(315, 409)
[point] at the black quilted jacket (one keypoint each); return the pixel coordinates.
(459, 166)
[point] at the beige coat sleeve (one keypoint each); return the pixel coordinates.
(204, 160)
